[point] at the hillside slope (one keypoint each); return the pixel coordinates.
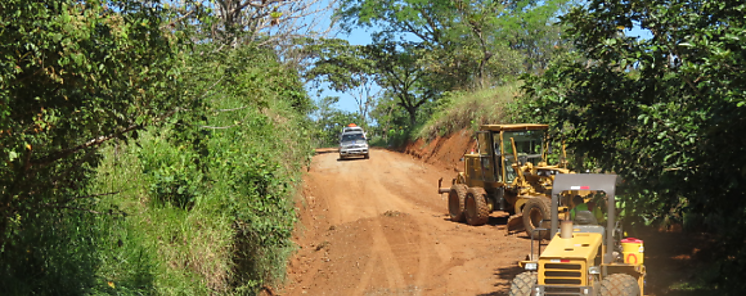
(445, 151)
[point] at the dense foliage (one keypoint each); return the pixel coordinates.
(329, 122)
(667, 113)
(138, 161)
(65, 94)
(463, 42)
(422, 50)
(74, 76)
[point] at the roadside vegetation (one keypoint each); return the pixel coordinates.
(467, 110)
(148, 149)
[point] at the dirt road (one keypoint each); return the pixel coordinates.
(378, 227)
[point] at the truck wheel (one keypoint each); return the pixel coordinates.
(619, 284)
(535, 211)
(367, 156)
(522, 284)
(477, 212)
(457, 202)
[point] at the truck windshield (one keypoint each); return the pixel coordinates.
(352, 137)
(527, 143)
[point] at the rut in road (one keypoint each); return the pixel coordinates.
(378, 227)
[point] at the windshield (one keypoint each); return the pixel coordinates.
(527, 143)
(352, 137)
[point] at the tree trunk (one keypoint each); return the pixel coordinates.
(412, 116)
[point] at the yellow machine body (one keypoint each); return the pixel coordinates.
(583, 259)
(510, 164)
(565, 262)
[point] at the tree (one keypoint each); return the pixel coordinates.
(265, 23)
(467, 41)
(401, 73)
(345, 68)
(75, 75)
(666, 113)
(424, 48)
(329, 121)
(394, 66)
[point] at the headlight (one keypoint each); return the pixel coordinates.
(594, 270)
(531, 266)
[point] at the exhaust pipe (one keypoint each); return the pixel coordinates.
(566, 229)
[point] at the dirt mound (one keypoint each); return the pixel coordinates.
(379, 227)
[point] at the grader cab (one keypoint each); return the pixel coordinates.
(584, 257)
(507, 172)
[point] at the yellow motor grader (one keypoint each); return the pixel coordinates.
(584, 257)
(507, 172)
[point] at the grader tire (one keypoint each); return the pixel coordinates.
(457, 202)
(522, 284)
(619, 284)
(536, 210)
(477, 211)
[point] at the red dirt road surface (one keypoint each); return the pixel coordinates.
(379, 227)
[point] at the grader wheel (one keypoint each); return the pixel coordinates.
(457, 202)
(522, 284)
(477, 211)
(536, 214)
(619, 284)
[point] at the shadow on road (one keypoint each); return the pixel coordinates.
(497, 221)
(504, 275)
(351, 159)
(492, 221)
(326, 150)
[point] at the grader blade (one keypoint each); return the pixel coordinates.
(515, 224)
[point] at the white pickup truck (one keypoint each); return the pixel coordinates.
(353, 142)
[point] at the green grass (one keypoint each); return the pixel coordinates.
(232, 237)
(169, 240)
(462, 110)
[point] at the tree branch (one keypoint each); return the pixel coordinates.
(44, 161)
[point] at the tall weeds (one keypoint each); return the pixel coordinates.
(462, 110)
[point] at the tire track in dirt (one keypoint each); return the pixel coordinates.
(405, 184)
(427, 243)
(365, 199)
(377, 227)
(390, 253)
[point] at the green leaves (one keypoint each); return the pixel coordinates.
(465, 43)
(72, 80)
(663, 113)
